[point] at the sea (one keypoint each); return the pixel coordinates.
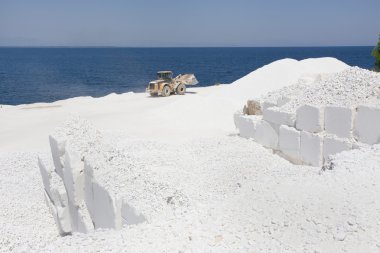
(29, 75)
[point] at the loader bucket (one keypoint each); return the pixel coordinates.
(187, 79)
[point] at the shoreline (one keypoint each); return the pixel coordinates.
(191, 89)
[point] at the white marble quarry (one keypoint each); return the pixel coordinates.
(333, 145)
(339, 121)
(309, 118)
(311, 149)
(74, 196)
(289, 143)
(367, 125)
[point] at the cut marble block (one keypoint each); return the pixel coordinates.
(266, 135)
(311, 149)
(289, 143)
(246, 124)
(339, 121)
(57, 146)
(73, 175)
(367, 125)
(309, 118)
(276, 116)
(332, 146)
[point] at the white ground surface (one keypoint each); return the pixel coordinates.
(239, 196)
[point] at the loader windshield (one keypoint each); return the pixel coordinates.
(164, 75)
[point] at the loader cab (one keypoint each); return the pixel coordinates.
(165, 75)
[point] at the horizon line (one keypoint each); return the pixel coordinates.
(87, 46)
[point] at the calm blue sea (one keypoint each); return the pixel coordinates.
(29, 75)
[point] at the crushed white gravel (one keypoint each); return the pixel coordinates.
(349, 88)
(242, 198)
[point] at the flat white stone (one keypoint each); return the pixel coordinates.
(246, 124)
(339, 121)
(276, 116)
(309, 118)
(266, 135)
(332, 146)
(57, 146)
(367, 124)
(105, 211)
(311, 149)
(73, 175)
(289, 143)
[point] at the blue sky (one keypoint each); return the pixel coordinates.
(189, 23)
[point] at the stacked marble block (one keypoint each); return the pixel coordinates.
(311, 134)
(77, 200)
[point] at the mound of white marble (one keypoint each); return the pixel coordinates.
(317, 117)
(96, 185)
(348, 88)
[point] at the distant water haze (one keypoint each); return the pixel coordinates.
(169, 23)
(29, 75)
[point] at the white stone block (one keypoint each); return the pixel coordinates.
(63, 228)
(57, 146)
(73, 178)
(266, 135)
(105, 211)
(46, 177)
(332, 146)
(73, 175)
(246, 124)
(289, 143)
(339, 121)
(61, 203)
(309, 118)
(311, 149)
(367, 125)
(276, 116)
(56, 199)
(80, 218)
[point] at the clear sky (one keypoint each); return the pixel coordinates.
(189, 23)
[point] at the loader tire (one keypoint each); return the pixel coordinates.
(165, 91)
(181, 89)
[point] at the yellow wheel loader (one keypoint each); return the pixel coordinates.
(165, 85)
